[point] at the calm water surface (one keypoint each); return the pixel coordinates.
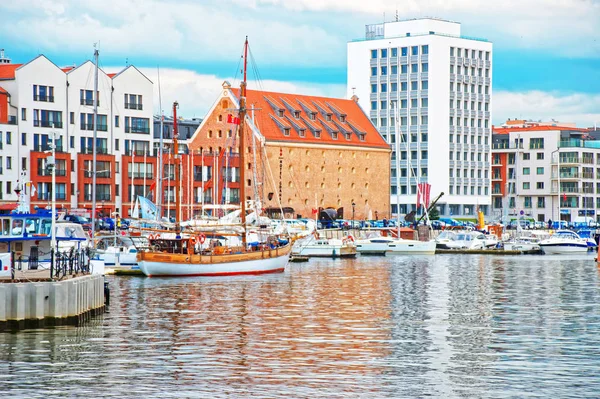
(440, 326)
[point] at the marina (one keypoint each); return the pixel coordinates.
(414, 326)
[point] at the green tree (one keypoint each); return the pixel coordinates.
(434, 214)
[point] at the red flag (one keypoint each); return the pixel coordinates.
(423, 194)
(565, 197)
(418, 196)
(233, 119)
(314, 211)
(427, 196)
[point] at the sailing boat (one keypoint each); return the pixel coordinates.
(380, 243)
(189, 254)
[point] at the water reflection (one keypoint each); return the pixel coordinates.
(441, 326)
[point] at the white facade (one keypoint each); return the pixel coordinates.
(442, 84)
(532, 179)
(45, 99)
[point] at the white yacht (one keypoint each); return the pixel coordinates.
(564, 242)
(315, 246)
(523, 244)
(444, 239)
(468, 240)
(123, 254)
(376, 244)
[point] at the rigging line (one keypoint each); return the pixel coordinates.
(255, 70)
(237, 70)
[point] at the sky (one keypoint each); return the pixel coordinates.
(546, 52)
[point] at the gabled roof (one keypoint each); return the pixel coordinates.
(2, 90)
(7, 71)
(125, 69)
(271, 125)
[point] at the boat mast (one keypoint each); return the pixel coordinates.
(241, 130)
(176, 155)
(159, 177)
(95, 97)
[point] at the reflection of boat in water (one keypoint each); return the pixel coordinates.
(376, 244)
(564, 242)
(315, 246)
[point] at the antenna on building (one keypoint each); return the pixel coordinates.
(126, 61)
(354, 91)
(3, 59)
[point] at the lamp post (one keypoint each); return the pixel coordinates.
(353, 204)
(53, 226)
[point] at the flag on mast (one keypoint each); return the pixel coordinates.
(423, 194)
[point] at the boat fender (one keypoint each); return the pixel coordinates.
(350, 238)
(201, 238)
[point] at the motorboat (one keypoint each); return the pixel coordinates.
(376, 244)
(468, 240)
(524, 244)
(491, 241)
(564, 242)
(445, 237)
(589, 236)
(316, 246)
(120, 251)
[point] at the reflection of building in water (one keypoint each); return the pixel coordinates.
(309, 331)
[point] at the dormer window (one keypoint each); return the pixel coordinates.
(286, 131)
(342, 118)
(328, 118)
(361, 137)
(302, 133)
(297, 114)
(312, 116)
(280, 113)
(348, 136)
(334, 135)
(318, 134)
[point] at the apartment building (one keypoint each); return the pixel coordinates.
(428, 90)
(43, 101)
(545, 172)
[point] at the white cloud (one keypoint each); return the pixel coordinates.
(584, 109)
(196, 93)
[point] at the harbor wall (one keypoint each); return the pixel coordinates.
(42, 304)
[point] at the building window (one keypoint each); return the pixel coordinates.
(404, 69)
(373, 53)
(116, 144)
(286, 131)
(414, 68)
(384, 105)
(539, 185)
(383, 53)
(540, 171)
(72, 118)
(133, 101)
(43, 93)
(383, 71)
(541, 202)
(384, 87)
(23, 138)
(424, 85)
(536, 143)
(373, 105)
(373, 71)
(425, 67)
(404, 51)
(527, 202)
(451, 51)
(394, 69)
(23, 114)
(414, 50)
(525, 171)
(394, 52)
(414, 85)
(116, 120)
(394, 87)
(425, 49)
(540, 155)
(526, 185)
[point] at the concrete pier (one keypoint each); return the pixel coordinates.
(52, 303)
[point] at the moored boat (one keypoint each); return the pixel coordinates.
(316, 246)
(376, 244)
(564, 242)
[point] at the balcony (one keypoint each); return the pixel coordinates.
(47, 123)
(87, 101)
(145, 130)
(99, 150)
(48, 196)
(99, 197)
(133, 106)
(504, 145)
(49, 99)
(99, 175)
(140, 175)
(496, 177)
(48, 172)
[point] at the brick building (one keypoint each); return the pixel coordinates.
(319, 152)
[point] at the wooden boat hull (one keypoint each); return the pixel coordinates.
(155, 264)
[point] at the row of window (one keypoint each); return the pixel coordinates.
(466, 190)
(404, 51)
(414, 120)
(466, 123)
(43, 93)
(465, 139)
(466, 173)
(414, 68)
(464, 71)
(391, 139)
(414, 85)
(466, 157)
(475, 54)
(464, 88)
(481, 106)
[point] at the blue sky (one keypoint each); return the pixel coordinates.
(546, 62)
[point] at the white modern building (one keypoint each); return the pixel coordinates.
(526, 178)
(42, 99)
(440, 85)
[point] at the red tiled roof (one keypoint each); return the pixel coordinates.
(7, 71)
(111, 75)
(266, 119)
(506, 130)
(67, 69)
(2, 90)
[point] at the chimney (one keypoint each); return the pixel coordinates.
(354, 98)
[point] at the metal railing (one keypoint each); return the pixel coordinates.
(133, 106)
(37, 97)
(47, 123)
(130, 129)
(87, 101)
(63, 264)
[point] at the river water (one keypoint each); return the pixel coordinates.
(375, 327)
